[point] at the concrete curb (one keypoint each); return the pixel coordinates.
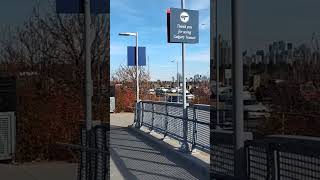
(191, 162)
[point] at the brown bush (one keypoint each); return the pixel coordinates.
(45, 119)
(125, 99)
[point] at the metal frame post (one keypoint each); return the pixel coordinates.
(88, 86)
(88, 66)
(141, 113)
(137, 125)
(138, 115)
(152, 120)
(194, 133)
(217, 65)
(247, 158)
(166, 122)
(178, 83)
(184, 146)
(237, 86)
(137, 67)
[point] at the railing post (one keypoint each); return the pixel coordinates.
(141, 113)
(185, 146)
(194, 133)
(271, 161)
(277, 163)
(152, 120)
(138, 110)
(247, 159)
(166, 122)
(83, 158)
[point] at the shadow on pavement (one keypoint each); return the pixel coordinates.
(136, 159)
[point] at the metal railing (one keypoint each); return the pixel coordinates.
(283, 157)
(167, 119)
(222, 153)
(273, 157)
(94, 154)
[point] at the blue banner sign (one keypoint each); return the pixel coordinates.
(131, 53)
(77, 6)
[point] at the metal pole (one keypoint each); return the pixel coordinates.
(137, 125)
(88, 80)
(217, 65)
(137, 66)
(184, 146)
(178, 84)
(88, 88)
(237, 86)
(148, 72)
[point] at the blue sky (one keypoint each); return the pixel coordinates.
(148, 17)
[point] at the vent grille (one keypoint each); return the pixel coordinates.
(4, 135)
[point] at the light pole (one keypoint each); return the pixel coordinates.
(88, 84)
(237, 88)
(217, 66)
(88, 81)
(137, 124)
(184, 146)
(137, 60)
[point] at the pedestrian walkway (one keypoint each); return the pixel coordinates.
(132, 157)
(135, 158)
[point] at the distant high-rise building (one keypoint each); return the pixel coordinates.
(282, 46)
(226, 52)
(289, 46)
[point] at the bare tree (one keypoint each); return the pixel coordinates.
(57, 39)
(127, 75)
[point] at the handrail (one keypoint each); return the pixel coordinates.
(166, 118)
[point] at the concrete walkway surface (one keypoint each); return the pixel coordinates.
(39, 171)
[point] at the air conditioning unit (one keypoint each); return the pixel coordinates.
(112, 104)
(7, 135)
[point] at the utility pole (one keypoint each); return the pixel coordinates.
(217, 66)
(88, 80)
(237, 88)
(184, 146)
(137, 66)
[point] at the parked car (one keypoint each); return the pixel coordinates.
(152, 91)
